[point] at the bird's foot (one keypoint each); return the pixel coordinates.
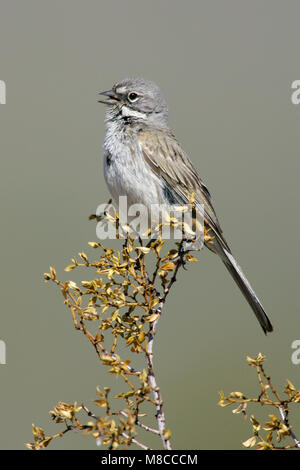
(181, 258)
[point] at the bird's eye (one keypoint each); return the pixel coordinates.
(132, 96)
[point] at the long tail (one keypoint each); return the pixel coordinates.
(247, 290)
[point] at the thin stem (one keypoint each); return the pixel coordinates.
(160, 416)
(141, 425)
(139, 444)
(285, 420)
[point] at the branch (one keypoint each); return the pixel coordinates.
(285, 420)
(160, 416)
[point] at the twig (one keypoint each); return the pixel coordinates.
(141, 425)
(285, 420)
(280, 408)
(160, 416)
(139, 444)
(135, 288)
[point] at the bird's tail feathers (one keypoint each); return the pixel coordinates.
(244, 285)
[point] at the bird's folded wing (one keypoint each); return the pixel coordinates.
(169, 162)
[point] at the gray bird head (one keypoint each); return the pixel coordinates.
(136, 99)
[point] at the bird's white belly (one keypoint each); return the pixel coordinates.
(134, 179)
(140, 196)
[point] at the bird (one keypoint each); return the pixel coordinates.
(144, 161)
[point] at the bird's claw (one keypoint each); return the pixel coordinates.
(182, 254)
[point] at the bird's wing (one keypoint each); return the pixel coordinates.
(169, 162)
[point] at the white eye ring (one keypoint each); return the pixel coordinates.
(132, 96)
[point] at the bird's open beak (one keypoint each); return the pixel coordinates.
(112, 97)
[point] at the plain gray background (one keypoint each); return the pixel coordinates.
(226, 69)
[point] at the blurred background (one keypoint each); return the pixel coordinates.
(226, 70)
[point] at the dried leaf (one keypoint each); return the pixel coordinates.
(250, 442)
(168, 266)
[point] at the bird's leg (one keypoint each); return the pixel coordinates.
(182, 253)
(185, 246)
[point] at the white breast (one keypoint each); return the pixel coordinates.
(126, 172)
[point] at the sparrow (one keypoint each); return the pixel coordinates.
(144, 162)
